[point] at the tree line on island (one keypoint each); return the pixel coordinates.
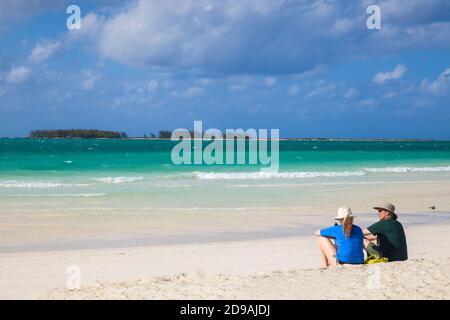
(104, 134)
(90, 134)
(77, 133)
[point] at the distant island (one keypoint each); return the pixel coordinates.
(165, 135)
(90, 134)
(77, 134)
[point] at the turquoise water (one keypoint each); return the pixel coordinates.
(140, 173)
(29, 157)
(96, 193)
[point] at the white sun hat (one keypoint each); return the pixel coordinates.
(344, 212)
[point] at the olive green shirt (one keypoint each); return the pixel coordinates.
(391, 239)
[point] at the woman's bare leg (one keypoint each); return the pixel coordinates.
(328, 251)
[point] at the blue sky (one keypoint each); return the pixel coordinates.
(310, 68)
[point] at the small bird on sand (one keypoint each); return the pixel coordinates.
(433, 207)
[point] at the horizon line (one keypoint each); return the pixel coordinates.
(281, 139)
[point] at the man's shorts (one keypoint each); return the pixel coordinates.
(373, 249)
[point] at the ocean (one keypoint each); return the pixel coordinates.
(83, 175)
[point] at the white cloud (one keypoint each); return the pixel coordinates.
(342, 26)
(152, 85)
(18, 74)
(269, 81)
(317, 70)
(240, 83)
(212, 35)
(293, 90)
(90, 79)
(350, 93)
(257, 37)
(203, 82)
(397, 73)
(91, 28)
(368, 103)
(439, 86)
(192, 92)
(389, 95)
(321, 88)
(43, 50)
(237, 87)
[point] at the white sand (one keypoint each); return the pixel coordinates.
(414, 279)
(286, 268)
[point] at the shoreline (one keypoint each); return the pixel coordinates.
(82, 223)
(261, 234)
(218, 270)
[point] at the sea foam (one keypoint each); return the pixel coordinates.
(37, 184)
(273, 175)
(57, 195)
(119, 180)
(407, 169)
(312, 174)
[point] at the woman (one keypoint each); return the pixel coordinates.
(349, 241)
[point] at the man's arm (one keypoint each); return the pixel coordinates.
(368, 235)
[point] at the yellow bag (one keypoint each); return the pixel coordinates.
(375, 259)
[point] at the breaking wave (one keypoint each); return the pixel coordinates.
(272, 175)
(407, 169)
(119, 180)
(37, 184)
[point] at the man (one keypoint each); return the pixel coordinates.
(389, 235)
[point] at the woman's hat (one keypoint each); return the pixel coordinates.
(344, 212)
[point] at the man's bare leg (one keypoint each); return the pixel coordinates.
(366, 243)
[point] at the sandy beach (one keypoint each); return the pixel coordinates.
(283, 268)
